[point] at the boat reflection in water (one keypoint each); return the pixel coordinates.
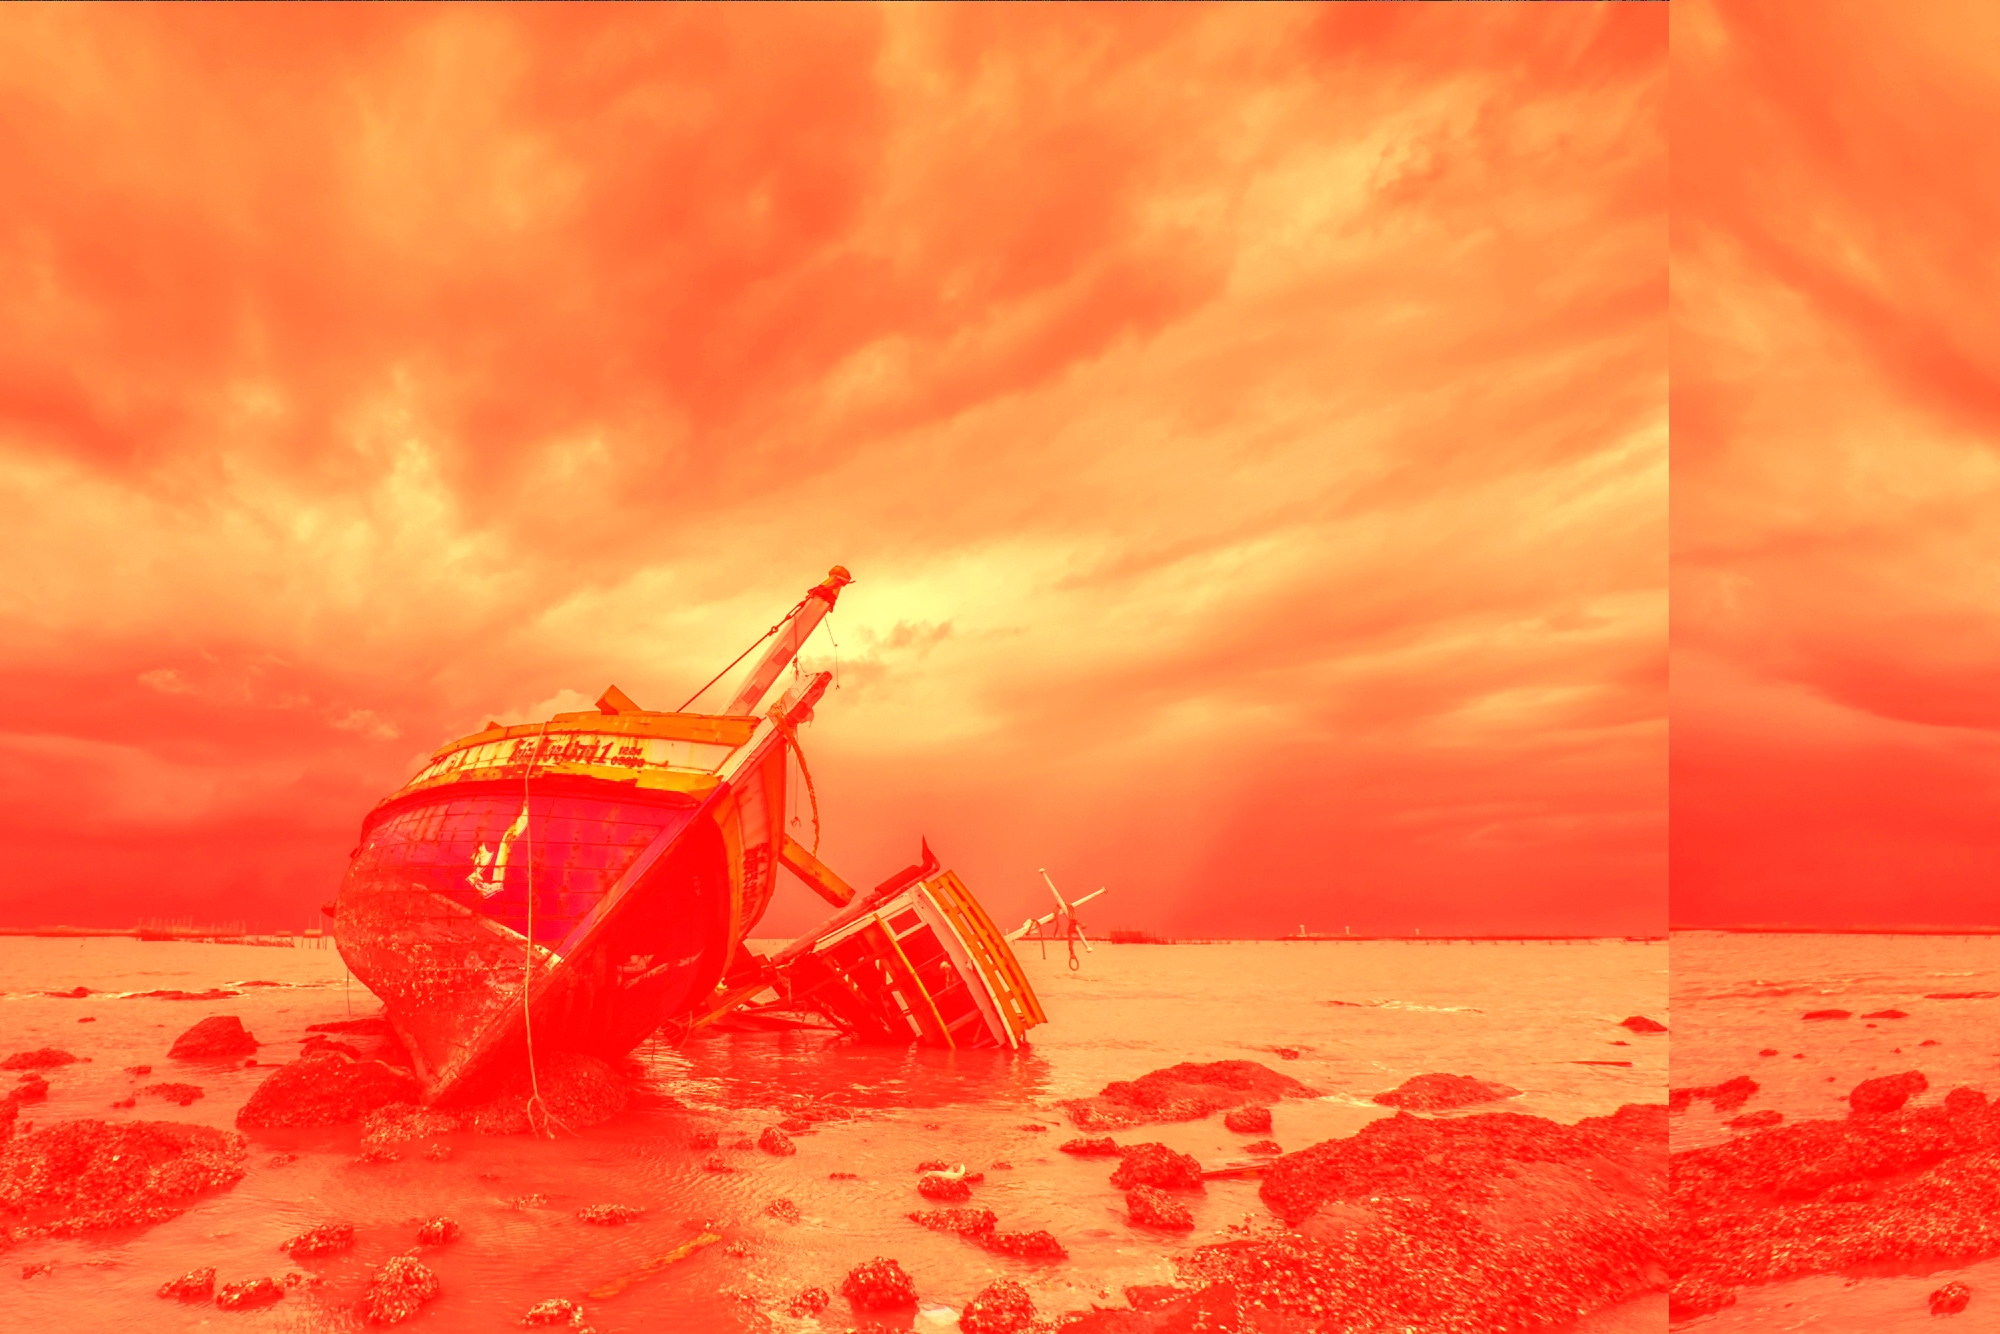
(584, 881)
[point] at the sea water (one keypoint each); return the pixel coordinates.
(1527, 1015)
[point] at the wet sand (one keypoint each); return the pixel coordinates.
(1522, 1016)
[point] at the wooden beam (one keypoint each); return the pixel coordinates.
(819, 877)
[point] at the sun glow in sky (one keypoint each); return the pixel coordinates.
(1246, 426)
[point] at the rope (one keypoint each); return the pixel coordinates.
(528, 959)
(791, 735)
(745, 653)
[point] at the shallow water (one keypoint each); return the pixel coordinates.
(1736, 995)
(1519, 1014)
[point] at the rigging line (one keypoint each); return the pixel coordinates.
(791, 735)
(745, 653)
(528, 956)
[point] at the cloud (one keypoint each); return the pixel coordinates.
(1835, 474)
(1247, 429)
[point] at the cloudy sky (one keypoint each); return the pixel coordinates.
(1836, 464)
(1247, 429)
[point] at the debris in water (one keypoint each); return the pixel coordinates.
(1148, 1206)
(324, 1089)
(398, 1289)
(216, 1037)
(879, 1285)
(249, 1293)
(438, 1153)
(197, 1285)
(324, 1239)
(86, 1176)
(1185, 1092)
(1439, 1093)
(653, 1266)
(1002, 1307)
(42, 1058)
(1156, 1165)
(608, 1215)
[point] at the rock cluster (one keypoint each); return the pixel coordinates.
(325, 1239)
(1002, 1307)
(327, 1088)
(1150, 1207)
(85, 1176)
(1875, 1097)
(879, 1285)
(197, 1285)
(1726, 1096)
(42, 1058)
(249, 1293)
(218, 1037)
(578, 1091)
(608, 1215)
(1248, 1121)
(1440, 1093)
(1101, 1146)
(398, 1289)
(1156, 1165)
(437, 1231)
(1185, 1092)
(1909, 1187)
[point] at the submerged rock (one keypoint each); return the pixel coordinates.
(42, 1058)
(943, 1187)
(1874, 1097)
(608, 1215)
(325, 1089)
(86, 1176)
(180, 1094)
(776, 1141)
(1639, 1023)
(810, 1301)
(399, 1288)
(1726, 1096)
(1886, 1014)
(964, 1222)
(1950, 1299)
(248, 1293)
(1002, 1307)
(1157, 1165)
(1755, 1120)
(1438, 1093)
(1150, 1207)
(557, 1311)
(1264, 1148)
(1102, 1146)
(578, 1091)
(218, 1036)
(1185, 1092)
(401, 1122)
(879, 1285)
(1248, 1121)
(1035, 1245)
(1827, 1014)
(197, 1285)
(325, 1239)
(437, 1231)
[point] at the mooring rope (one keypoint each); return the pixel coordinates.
(528, 959)
(745, 653)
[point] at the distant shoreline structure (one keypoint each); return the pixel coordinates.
(1787, 929)
(228, 933)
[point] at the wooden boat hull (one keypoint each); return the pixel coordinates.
(643, 885)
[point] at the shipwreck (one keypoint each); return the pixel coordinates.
(583, 882)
